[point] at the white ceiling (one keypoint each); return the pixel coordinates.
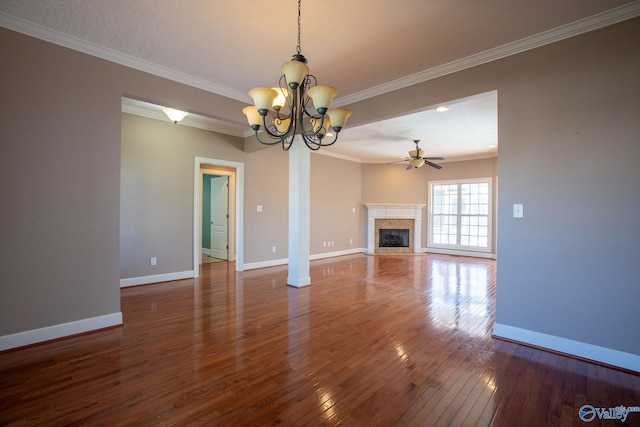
(362, 47)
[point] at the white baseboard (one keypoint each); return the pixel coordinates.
(337, 253)
(575, 348)
(166, 277)
(285, 261)
(58, 331)
(206, 251)
(263, 264)
(460, 253)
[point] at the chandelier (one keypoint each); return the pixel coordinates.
(307, 111)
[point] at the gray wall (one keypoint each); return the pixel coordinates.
(335, 193)
(157, 197)
(60, 178)
(266, 184)
(59, 186)
(156, 192)
(569, 150)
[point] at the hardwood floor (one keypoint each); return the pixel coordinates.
(374, 341)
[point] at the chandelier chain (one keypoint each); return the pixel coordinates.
(299, 2)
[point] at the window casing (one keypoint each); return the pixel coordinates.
(460, 214)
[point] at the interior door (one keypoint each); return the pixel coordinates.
(220, 217)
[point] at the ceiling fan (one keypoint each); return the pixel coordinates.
(416, 158)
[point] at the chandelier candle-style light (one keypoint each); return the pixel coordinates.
(296, 89)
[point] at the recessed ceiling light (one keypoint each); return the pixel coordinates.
(442, 109)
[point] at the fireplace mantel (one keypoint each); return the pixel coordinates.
(394, 211)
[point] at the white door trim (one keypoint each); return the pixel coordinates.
(197, 210)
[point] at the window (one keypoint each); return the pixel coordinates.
(460, 214)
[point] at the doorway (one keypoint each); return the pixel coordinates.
(230, 216)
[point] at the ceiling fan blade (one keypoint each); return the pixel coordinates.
(409, 166)
(433, 165)
(433, 158)
(397, 161)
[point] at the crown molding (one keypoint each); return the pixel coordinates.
(21, 26)
(601, 20)
(610, 17)
(191, 120)
(337, 156)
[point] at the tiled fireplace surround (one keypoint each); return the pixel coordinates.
(394, 216)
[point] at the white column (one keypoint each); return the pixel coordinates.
(299, 213)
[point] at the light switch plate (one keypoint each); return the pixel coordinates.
(518, 210)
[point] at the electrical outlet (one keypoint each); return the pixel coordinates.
(324, 244)
(154, 260)
(351, 241)
(273, 249)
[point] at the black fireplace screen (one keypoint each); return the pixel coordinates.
(393, 238)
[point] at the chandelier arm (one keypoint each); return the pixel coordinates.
(297, 99)
(299, 113)
(312, 135)
(308, 80)
(269, 132)
(310, 143)
(272, 130)
(320, 141)
(282, 83)
(317, 134)
(285, 138)
(292, 103)
(287, 142)
(330, 143)
(266, 142)
(304, 98)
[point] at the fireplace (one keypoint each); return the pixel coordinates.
(393, 238)
(394, 217)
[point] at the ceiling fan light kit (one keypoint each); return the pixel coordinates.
(416, 158)
(309, 107)
(416, 163)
